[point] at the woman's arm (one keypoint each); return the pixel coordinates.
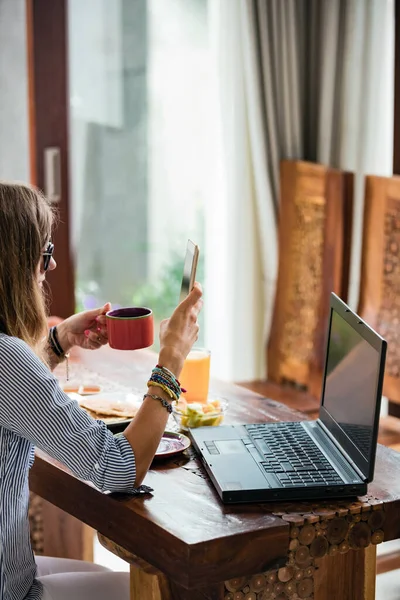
(177, 336)
(33, 405)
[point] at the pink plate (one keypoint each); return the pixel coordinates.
(172, 443)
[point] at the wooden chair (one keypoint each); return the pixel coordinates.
(379, 302)
(57, 533)
(380, 273)
(315, 226)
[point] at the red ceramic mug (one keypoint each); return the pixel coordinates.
(130, 328)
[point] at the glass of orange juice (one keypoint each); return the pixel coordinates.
(195, 375)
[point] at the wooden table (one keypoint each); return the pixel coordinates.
(183, 543)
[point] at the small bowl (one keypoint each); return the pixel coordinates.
(192, 416)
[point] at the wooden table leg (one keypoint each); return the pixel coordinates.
(148, 586)
(348, 576)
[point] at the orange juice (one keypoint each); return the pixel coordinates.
(195, 376)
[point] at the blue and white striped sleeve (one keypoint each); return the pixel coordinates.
(33, 405)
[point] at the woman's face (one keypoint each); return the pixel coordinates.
(40, 272)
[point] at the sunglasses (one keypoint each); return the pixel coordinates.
(47, 255)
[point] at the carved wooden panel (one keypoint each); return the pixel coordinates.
(314, 243)
(56, 533)
(305, 270)
(380, 273)
(388, 320)
(36, 523)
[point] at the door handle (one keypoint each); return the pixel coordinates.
(52, 174)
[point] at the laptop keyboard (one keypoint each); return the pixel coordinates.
(291, 455)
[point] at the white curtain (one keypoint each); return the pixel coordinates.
(241, 221)
(306, 79)
(355, 117)
(236, 278)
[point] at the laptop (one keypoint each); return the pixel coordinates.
(331, 457)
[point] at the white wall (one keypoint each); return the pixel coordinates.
(14, 141)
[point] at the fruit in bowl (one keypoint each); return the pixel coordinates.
(195, 414)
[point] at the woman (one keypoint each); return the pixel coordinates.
(34, 411)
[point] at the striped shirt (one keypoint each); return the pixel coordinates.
(34, 411)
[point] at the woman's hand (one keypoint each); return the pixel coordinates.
(180, 331)
(86, 329)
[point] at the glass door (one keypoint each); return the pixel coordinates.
(140, 138)
(122, 127)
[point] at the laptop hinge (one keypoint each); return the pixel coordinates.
(339, 447)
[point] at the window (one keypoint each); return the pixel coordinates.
(141, 138)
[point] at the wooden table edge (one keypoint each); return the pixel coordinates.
(45, 481)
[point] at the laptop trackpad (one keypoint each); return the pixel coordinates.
(230, 446)
(240, 471)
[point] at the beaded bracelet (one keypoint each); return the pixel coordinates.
(164, 376)
(163, 387)
(169, 373)
(156, 378)
(164, 402)
(159, 375)
(165, 381)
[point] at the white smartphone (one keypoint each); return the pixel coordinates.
(189, 269)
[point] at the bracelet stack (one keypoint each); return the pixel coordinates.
(54, 342)
(162, 378)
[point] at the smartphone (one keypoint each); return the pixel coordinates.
(189, 269)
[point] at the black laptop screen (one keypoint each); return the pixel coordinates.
(350, 394)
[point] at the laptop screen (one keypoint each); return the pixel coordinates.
(351, 387)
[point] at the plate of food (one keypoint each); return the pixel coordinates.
(116, 409)
(170, 444)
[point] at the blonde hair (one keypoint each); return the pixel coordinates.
(26, 219)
